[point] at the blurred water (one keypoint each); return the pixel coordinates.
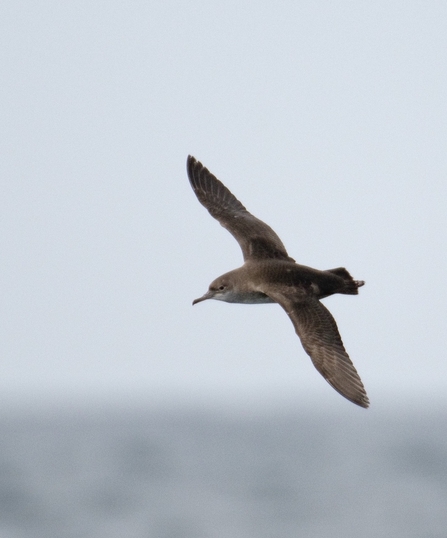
(196, 474)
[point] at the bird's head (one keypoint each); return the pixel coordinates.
(220, 289)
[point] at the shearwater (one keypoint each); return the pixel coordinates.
(270, 275)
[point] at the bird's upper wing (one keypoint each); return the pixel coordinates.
(321, 340)
(256, 239)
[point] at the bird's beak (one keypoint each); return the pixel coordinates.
(208, 295)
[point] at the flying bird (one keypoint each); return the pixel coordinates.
(270, 275)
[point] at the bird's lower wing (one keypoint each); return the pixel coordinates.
(321, 340)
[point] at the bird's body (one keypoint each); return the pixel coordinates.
(270, 275)
(250, 281)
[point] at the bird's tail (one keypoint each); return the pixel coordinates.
(351, 286)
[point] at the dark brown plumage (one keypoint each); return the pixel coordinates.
(269, 275)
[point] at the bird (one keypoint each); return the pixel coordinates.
(270, 275)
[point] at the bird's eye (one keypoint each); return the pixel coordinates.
(221, 288)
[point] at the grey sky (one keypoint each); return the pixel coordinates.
(326, 119)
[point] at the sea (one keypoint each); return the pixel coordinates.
(174, 472)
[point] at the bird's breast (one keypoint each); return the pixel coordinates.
(248, 297)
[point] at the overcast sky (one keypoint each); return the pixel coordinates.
(328, 120)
